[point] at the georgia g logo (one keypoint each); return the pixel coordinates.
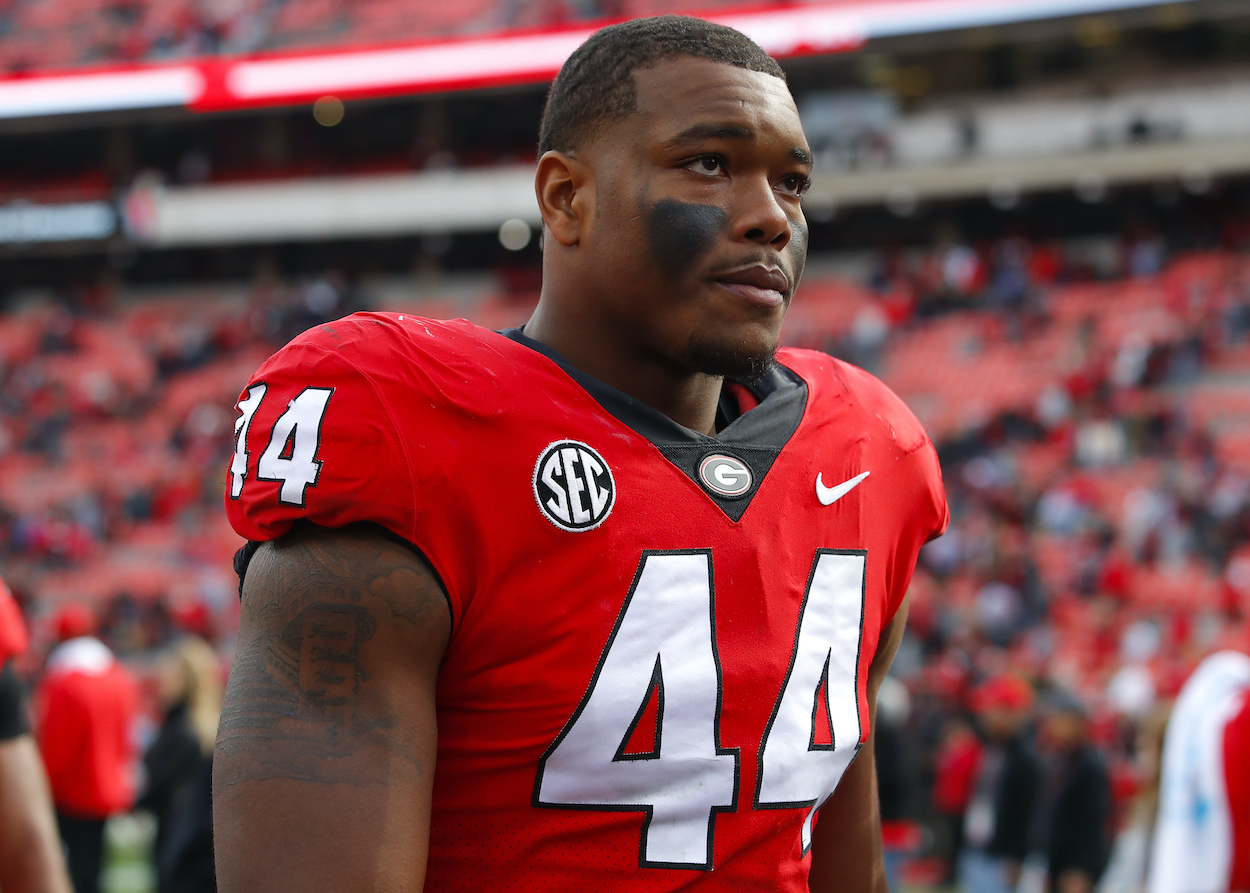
(573, 486)
(725, 476)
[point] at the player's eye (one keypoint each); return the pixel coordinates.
(711, 165)
(795, 184)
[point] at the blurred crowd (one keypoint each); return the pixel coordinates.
(1098, 547)
(114, 436)
(1097, 550)
(36, 34)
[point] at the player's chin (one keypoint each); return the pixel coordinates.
(743, 353)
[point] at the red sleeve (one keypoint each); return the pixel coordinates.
(927, 520)
(934, 499)
(315, 438)
(912, 477)
(1237, 772)
(13, 637)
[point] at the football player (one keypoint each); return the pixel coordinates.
(602, 603)
(31, 860)
(1201, 840)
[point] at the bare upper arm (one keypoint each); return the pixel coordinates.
(325, 753)
(31, 860)
(846, 842)
(887, 648)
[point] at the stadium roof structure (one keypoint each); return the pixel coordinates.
(225, 83)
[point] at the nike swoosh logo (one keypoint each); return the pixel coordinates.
(830, 495)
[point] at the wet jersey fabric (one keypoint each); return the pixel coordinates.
(661, 639)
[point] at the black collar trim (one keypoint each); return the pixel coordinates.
(754, 438)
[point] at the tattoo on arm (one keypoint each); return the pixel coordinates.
(331, 623)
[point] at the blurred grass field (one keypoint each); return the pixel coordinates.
(127, 861)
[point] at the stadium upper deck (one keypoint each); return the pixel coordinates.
(67, 33)
(1007, 113)
(396, 47)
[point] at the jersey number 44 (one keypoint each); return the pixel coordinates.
(661, 661)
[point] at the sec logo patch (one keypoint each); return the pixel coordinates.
(573, 486)
(725, 475)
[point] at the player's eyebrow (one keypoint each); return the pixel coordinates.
(699, 132)
(714, 132)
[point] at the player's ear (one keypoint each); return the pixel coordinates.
(561, 184)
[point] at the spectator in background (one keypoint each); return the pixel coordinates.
(1237, 777)
(179, 768)
(1071, 824)
(1202, 835)
(955, 773)
(31, 860)
(996, 826)
(87, 708)
(895, 778)
(1130, 853)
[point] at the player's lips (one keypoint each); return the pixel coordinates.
(759, 283)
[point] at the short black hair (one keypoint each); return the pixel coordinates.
(595, 85)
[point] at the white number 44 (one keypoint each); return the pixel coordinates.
(290, 458)
(663, 650)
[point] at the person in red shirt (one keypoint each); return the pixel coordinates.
(30, 853)
(603, 603)
(87, 706)
(954, 776)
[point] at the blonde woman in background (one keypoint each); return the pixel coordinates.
(1130, 857)
(179, 767)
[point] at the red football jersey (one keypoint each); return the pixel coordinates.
(661, 640)
(1237, 776)
(13, 636)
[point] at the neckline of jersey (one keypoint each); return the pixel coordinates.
(782, 395)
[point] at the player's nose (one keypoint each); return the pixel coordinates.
(758, 215)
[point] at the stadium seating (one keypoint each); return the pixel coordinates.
(53, 34)
(116, 426)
